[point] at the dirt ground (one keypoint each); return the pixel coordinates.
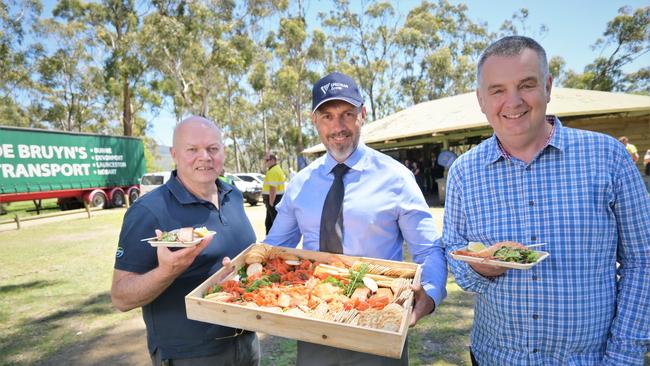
(126, 344)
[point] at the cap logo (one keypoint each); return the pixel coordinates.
(325, 88)
(333, 86)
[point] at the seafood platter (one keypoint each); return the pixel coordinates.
(356, 303)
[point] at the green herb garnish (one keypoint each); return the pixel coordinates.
(356, 279)
(168, 236)
(517, 255)
(274, 277)
(243, 276)
(262, 282)
(335, 282)
(214, 289)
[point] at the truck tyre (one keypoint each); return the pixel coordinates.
(98, 199)
(133, 195)
(118, 199)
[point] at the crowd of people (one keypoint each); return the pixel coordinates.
(587, 304)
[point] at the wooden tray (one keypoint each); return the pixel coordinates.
(329, 333)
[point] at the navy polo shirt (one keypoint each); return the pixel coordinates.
(169, 207)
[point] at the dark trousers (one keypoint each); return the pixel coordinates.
(243, 350)
(271, 213)
(311, 354)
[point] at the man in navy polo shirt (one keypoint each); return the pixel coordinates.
(157, 279)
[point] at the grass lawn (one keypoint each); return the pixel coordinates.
(54, 286)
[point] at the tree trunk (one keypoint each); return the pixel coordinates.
(266, 138)
(127, 113)
(299, 146)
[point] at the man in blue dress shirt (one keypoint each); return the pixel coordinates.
(157, 279)
(382, 208)
(536, 181)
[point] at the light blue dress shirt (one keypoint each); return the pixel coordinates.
(382, 208)
(584, 198)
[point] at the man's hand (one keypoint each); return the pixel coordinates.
(172, 264)
(131, 290)
(487, 270)
(424, 304)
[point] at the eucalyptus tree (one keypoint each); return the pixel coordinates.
(113, 27)
(260, 82)
(439, 46)
(364, 47)
(16, 60)
(298, 52)
(67, 79)
(626, 39)
(518, 25)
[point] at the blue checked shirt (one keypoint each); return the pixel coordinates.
(583, 196)
(382, 208)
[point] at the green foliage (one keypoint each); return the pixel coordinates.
(440, 43)
(108, 66)
(151, 154)
(627, 34)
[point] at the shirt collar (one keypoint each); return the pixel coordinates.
(496, 151)
(185, 197)
(355, 161)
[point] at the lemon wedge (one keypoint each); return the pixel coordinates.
(474, 246)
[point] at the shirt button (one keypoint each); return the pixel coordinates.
(533, 238)
(535, 350)
(531, 203)
(535, 316)
(534, 279)
(528, 168)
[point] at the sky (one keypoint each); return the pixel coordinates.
(573, 27)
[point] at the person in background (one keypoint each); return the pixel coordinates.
(588, 303)
(346, 202)
(273, 188)
(157, 279)
(631, 149)
(226, 179)
(437, 172)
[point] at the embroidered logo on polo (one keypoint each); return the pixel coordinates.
(119, 253)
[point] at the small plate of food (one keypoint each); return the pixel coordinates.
(179, 238)
(506, 254)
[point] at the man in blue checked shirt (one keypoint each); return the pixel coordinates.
(536, 181)
(382, 207)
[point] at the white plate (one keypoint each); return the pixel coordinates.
(176, 244)
(513, 265)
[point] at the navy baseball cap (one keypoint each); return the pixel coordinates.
(335, 86)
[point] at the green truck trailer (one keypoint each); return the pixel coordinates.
(74, 167)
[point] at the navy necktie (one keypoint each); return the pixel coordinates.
(331, 221)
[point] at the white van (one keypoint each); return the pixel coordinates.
(150, 181)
